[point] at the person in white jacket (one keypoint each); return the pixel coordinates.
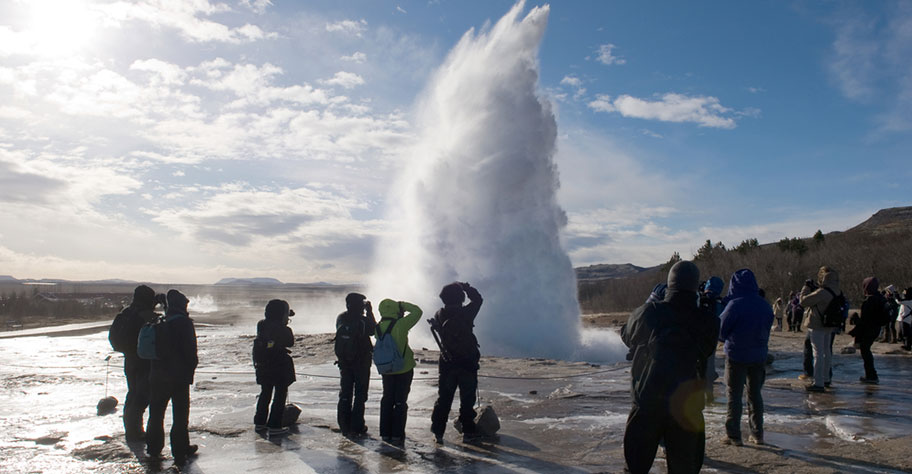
(905, 317)
(815, 299)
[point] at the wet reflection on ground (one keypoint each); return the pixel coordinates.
(555, 416)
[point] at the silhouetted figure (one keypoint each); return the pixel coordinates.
(459, 358)
(274, 366)
(671, 342)
(711, 298)
(396, 318)
(746, 324)
(353, 356)
(123, 335)
(874, 312)
(171, 377)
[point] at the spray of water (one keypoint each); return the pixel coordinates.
(477, 200)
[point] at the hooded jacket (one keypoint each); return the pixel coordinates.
(746, 320)
(278, 369)
(389, 311)
(874, 312)
(815, 302)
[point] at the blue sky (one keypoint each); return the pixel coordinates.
(188, 141)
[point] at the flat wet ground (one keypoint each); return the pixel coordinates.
(556, 416)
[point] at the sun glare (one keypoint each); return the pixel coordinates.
(59, 27)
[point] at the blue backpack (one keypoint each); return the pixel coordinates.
(145, 342)
(150, 337)
(386, 355)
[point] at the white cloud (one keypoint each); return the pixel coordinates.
(571, 81)
(604, 55)
(870, 62)
(186, 17)
(703, 110)
(352, 27)
(356, 57)
(346, 80)
(400, 9)
(576, 83)
(258, 6)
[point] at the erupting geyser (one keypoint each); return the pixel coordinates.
(477, 198)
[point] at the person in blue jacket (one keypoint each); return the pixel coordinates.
(746, 323)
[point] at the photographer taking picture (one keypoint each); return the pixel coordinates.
(459, 356)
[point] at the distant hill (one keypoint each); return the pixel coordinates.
(7, 278)
(884, 221)
(610, 270)
(249, 281)
(879, 247)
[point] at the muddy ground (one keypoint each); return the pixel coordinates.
(556, 416)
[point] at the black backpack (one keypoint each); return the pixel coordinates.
(119, 334)
(456, 335)
(260, 352)
(349, 339)
(832, 315)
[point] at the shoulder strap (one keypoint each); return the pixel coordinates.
(388, 328)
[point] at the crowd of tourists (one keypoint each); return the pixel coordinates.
(160, 359)
(672, 339)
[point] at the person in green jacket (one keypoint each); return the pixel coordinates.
(396, 386)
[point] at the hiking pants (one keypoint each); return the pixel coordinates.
(136, 371)
(736, 375)
(809, 354)
(864, 346)
(352, 395)
(274, 419)
(165, 389)
(890, 332)
(452, 377)
(394, 404)
(646, 425)
(822, 344)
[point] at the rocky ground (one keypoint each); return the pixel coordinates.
(556, 416)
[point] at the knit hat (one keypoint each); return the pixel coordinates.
(354, 301)
(278, 309)
(176, 301)
(452, 294)
(684, 276)
(870, 285)
(144, 297)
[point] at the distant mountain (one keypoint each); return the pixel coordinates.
(7, 278)
(610, 270)
(249, 281)
(885, 221)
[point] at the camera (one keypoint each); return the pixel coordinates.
(162, 299)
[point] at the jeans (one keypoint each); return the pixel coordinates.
(736, 375)
(450, 378)
(355, 381)
(278, 406)
(138, 395)
(822, 345)
(165, 389)
(394, 404)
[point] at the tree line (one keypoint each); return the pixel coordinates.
(780, 268)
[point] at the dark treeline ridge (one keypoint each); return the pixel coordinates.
(23, 306)
(780, 267)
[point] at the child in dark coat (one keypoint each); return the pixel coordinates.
(274, 366)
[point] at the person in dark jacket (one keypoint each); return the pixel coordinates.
(711, 298)
(671, 341)
(874, 312)
(136, 369)
(171, 377)
(889, 329)
(353, 356)
(458, 358)
(274, 366)
(746, 323)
